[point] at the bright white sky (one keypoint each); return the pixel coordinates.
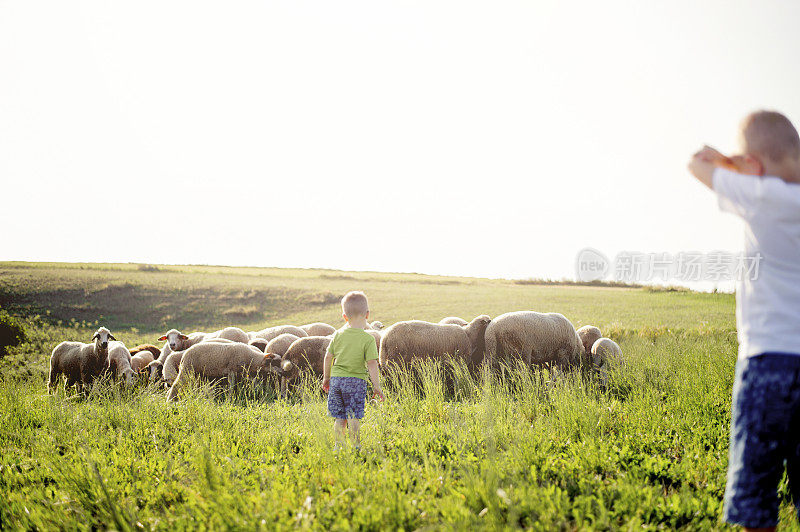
(477, 138)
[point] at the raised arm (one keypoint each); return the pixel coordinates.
(703, 163)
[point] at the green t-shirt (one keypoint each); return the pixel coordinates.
(352, 348)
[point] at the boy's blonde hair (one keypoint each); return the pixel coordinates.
(355, 304)
(771, 135)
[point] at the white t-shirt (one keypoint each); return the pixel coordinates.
(767, 307)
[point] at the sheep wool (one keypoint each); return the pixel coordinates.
(222, 360)
(279, 344)
(409, 340)
(318, 329)
(534, 337)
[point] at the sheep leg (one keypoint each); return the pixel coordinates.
(52, 382)
(180, 379)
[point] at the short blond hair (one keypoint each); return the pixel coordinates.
(355, 304)
(771, 135)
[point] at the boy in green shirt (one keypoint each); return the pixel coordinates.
(351, 355)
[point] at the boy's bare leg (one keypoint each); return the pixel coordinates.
(338, 431)
(354, 425)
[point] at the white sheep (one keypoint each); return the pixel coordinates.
(80, 363)
(534, 337)
(318, 329)
(233, 334)
(119, 362)
(167, 369)
(280, 344)
(221, 360)
(588, 334)
(409, 340)
(271, 332)
(605, 353)
(452, 320)
(376, 326)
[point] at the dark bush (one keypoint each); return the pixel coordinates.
(12, 332)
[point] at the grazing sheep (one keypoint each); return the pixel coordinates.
(279, 344)
(221, 360)
(605, 352)
(409, 340)
(452, 320)
(534, 337)
(234, 334)
(80, 363)
(259, 343)
(171, 367)
(271, 332)
(140, 360)
(376, 326)
(588, 334)
(160, 370)
(119, 362)
(153, 350)
(318, 329)
(305, 354)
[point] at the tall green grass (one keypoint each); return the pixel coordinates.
(520, 448)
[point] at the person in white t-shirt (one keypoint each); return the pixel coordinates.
(762, 186)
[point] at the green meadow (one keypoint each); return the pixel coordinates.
(519, 449)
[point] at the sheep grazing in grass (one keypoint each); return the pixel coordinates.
(80, 363)
(271, 332)
(260, 343)
(140, 360)
(119, 362)
(222, 360)
(280, 344)
(588, 334)
(318, 329)
(452, 320)
(304, 355)
(234, 334)
(605, 352)
(376, 326)
(533, 337)
(409, 340)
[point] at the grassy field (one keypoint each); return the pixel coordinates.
(521, 450)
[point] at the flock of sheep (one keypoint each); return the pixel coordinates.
(283, 352)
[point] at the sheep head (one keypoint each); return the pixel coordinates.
(476, 330)
(376, 325)
(589, 334)
(156, 370)
(101, 338)
(176, 339)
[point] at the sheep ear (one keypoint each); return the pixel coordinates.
(111, 337)
(183, 337)
(162, 339)
(95, 336)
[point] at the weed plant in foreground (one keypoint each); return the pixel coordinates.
(526, 449)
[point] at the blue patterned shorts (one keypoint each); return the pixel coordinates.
(346, 397)
(765, 434)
